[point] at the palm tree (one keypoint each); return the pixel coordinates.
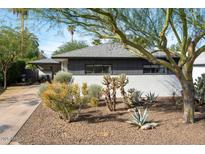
(71, 29)
(23, 13)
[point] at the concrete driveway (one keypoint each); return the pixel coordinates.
(16, 106)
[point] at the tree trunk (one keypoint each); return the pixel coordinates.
(22, 34)
(188, 100)
(5, 78)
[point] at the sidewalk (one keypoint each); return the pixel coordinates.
(16, 106)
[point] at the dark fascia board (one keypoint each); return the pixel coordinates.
(95, 57)
(199, 65)
(103, 57)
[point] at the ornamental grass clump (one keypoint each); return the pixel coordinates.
(64, 99)
(63, 77)
(95, 90)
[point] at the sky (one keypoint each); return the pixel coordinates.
(50, 38)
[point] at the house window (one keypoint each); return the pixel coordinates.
(154, 69)
(98, 69)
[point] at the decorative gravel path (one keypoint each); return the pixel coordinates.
(99, 126)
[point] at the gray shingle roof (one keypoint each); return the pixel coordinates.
(45, 61)
(115, 50)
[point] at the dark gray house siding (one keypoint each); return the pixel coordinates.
(129, 66)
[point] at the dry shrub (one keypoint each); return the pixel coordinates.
(64, 99)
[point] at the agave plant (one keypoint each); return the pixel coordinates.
(139, 118)
(151, 98)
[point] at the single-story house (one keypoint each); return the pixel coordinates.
(91, 63)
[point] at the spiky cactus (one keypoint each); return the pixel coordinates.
(114, 87)
(110, 91)
(123, 81)
(107, 90)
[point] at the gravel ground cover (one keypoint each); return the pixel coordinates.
(97, 125)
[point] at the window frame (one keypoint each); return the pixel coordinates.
(102, 73)
(155, 67)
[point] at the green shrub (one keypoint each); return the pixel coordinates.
(64, 99)
(15, 71)
(135, 97)
(63, 77)
(94, 102)
(200, 88)
(95, 90)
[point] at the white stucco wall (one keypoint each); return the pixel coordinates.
(197, 71)
(162, 85)
(199, 66)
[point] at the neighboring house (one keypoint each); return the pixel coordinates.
(91, 63)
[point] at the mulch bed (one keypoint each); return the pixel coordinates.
(97, 125)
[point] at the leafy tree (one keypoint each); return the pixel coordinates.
(69, 46)
(10, 48)
(158, 28)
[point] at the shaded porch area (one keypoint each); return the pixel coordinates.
(47, 68)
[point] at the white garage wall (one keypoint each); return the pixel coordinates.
(162, 85)
(197, 71)
(199, 66)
